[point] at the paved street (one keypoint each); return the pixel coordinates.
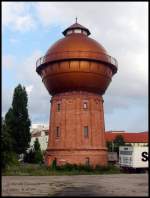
(79, 185)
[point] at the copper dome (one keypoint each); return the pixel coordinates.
(76, 62)
(76, 42)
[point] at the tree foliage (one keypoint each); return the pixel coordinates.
(38, 157)
(34, 155)
(114, 145)
(119, 141)
(18, 122)
(29, 156)
(8, 157)
(109, 146)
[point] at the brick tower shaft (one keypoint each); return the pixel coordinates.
(76, 133)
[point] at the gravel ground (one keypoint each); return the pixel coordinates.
(78, 185)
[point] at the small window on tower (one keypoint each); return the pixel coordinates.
(84, 32)
(57, 132)
(58, 107)
(85, 105)
(69, 32)
(86, 132)
(77, 31)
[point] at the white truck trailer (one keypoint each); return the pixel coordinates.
(133, 158)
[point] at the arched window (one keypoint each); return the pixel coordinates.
(58, 107)
(85, 105)
(86, 132)
(57, 132)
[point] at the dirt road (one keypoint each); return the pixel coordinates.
(79, 185)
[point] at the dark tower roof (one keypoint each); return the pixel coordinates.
(76, 26)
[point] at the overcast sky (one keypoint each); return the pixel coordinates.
(30, 28)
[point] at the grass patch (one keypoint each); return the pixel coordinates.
(68, 169)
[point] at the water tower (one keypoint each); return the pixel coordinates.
(76, 70)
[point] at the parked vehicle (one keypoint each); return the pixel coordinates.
(133, 158)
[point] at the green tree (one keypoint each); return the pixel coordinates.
(54, 164)
(18, 122)
(38, 157)
(118, 141)
(114, 145)
(109, 146)
(8, 157)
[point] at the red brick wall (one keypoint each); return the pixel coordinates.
(72, 146)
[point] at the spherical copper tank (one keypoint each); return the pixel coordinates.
(76, 62)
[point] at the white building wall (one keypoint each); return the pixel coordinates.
(43, 138)
(138, 144)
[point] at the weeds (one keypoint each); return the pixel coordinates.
(67, 169)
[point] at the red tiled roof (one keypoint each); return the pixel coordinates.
(128, 137)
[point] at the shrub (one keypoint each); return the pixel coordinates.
(38, 157)
(34, 155)
(110, 168)
(67, 167)
(29, 157)
(72, 167)
(102, 168)
(53, 165)
(11, 159)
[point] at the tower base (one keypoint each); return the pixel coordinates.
(76, 133)
(84, 157)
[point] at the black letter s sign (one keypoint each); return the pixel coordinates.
(144, 156)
